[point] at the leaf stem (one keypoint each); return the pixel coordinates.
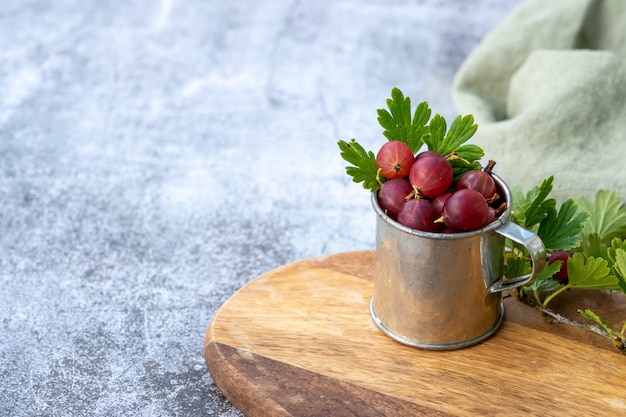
(536, 294)
(554, 294)
(378, 179)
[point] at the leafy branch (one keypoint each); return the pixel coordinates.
(591, 232)
(416, 128)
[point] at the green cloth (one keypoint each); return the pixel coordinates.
(547, 88)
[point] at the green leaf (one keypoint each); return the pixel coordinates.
(452, 141)
(590, 273)
(386, 120)
(398, 124)
(621, 283)
(548, 284)
(590, 315)
(548, 271)
(419, 129)
(396, 121)
(470, 152)
(515, 265)
(437, 131)
(617, 338)
(619, 268)
(461, 130)
(562, 231)
(592, 246)
(415, 130)
(607, 216)
(543, 280)
(461, 166)
(539, 204)
(363, 162)
(400, 107)
(521, 202)
(610, 252)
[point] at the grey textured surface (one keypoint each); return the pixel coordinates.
(156, 156)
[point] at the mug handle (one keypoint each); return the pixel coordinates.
(533, 245)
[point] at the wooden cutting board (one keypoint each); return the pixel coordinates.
(299, 341)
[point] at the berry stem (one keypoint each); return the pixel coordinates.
(493, 199)
(489, 167)
(502, 208)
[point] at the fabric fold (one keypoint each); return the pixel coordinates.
(547, 88)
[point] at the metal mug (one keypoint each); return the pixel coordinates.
(444, 291)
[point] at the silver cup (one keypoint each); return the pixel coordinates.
(444, 291)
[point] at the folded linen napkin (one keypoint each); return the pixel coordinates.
(547, 88)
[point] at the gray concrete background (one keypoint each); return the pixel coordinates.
(157, 155)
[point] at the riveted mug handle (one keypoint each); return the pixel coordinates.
(533, 245)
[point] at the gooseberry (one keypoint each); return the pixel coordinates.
(479, 181)
(466, 210)
(560, 255)
(440, 201)
(431, 175)
(393, 194)
(426, 153)
(419, 213)
(394, 159)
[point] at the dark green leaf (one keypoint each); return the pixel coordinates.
(400, 107)
(363, 167)
(470, 152)
(446, 143)
(516, 265)
(543, 280)
(562, 231)
(421, 115)
(398, 123)
(460, 166)
(386, 120)
(539, 205)
(419, 129)
(437, 131)
(461, 130)
(548, 271)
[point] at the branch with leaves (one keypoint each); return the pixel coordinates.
(416, 128)
(591, 231)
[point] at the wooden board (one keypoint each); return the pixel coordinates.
(299, 341)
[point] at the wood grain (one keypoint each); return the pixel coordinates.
(299, 341)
